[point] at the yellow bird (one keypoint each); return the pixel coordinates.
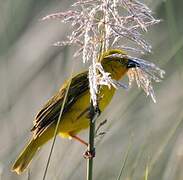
(76, 109)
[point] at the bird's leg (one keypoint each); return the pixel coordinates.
(87, 154)
(79, 140)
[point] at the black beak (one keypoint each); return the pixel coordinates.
(132, 64)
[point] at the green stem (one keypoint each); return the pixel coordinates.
(94, 113)
(124, 161)
(57, 125)
(90, 149)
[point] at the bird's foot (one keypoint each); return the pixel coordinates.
(89, 154)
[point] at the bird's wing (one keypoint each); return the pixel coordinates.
(50, 112)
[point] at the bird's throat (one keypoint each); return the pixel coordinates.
(116, 71)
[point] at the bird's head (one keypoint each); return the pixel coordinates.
(116, 62)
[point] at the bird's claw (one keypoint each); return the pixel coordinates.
(89, 154)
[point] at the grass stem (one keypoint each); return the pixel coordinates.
(94, 113)
(57, 125)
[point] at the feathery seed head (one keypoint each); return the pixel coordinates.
(100, 25)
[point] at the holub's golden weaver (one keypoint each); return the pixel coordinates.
(76, 109)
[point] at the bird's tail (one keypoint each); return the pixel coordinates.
(25, 157)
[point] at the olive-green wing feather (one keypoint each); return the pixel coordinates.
(50, 112)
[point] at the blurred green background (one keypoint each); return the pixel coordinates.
(31, 70)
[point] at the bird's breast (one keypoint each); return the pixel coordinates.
(105, 96)
(77, 117)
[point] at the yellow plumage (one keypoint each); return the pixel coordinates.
(76, 109)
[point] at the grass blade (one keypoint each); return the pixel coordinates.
(57, 125)
(124, 161)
